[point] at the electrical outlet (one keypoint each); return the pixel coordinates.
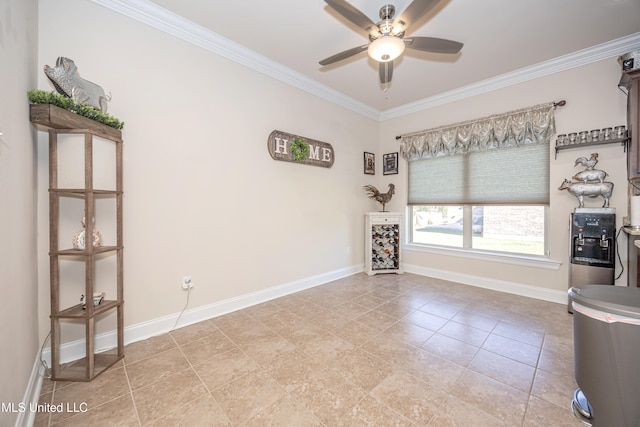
(187, 283)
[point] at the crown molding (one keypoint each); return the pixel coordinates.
(576, 59)
(164, 20)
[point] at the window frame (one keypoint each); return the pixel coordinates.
(467, 239)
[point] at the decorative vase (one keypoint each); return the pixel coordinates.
(80, 240)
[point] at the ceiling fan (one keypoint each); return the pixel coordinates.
(386, 38)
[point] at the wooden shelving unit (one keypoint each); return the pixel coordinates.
(60, 123)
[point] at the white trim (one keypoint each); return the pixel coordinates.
(31, 396)
(536, 292)
(75, 350)
(526, 261)
(141, 331)
(580, 58)
(164, 20)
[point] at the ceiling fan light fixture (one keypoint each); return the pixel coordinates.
(386, 48)
(397, 30)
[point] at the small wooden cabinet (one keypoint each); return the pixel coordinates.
(630, 83)
(63, 256)
(382, 243)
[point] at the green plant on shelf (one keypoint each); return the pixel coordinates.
(37, 96)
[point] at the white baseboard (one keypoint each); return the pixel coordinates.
(75, 350)
(31, 397)
(544, 294)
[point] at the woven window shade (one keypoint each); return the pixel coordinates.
(518, 175)
(501, 159)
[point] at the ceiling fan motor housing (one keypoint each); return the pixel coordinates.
(387, 12)
(386, 26)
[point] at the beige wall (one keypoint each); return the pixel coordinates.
(18, 280)
(593, 101)
(202, 195)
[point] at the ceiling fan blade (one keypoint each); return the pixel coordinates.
(432, 44)
(352, 14)
(416, 10)
(344, 55)
(386, 71)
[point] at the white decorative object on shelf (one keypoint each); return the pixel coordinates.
(98, 297)
(79, 240)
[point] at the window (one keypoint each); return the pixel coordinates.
(482, 185)
(512, 229)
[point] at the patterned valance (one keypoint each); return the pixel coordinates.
(533, 125)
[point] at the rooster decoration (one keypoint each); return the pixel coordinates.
(587, 163)
(382, 198)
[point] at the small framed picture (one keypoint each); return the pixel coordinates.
(390, 164)
(369, 163)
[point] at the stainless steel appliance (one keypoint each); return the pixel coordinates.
(592, 250)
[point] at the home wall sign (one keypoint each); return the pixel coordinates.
(298, 149)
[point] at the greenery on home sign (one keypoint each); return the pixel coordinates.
(299, 149)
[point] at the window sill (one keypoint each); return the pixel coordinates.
(524, 260)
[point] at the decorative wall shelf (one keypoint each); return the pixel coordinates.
(622, 141)
(47, 116)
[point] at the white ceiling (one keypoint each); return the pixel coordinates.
(501, 38)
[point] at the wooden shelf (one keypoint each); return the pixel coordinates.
(51, 117)
(79, 252)
(83, 192)
(77, 312)
(77, 370)
(59, 123)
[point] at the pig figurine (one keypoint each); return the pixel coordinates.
(66, 80)
(581, 189)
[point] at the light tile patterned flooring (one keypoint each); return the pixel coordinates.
(385, 350)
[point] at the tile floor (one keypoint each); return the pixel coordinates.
(385, 350)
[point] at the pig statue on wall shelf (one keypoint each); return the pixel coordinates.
(64, 77)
